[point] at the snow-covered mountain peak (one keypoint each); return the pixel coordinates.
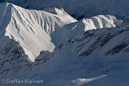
(60, 12)
(80, 9)
(66, 52)
(76, 29)
(38, 31)
(32, 29)
(101, 21)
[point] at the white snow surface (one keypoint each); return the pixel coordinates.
(75, 29)
(32, 29)
(81, 81)
(83, 8)
(38, 31)
(93, 51)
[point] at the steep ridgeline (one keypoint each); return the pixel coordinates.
(53, 43)
(24, 34)
(75, 29)
(32, 29)
(80, 9)
(36, 31)
(98, 56)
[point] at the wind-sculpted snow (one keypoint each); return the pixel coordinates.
(80, 9)
(24, 34)
(75, 29)
(56, 48)
(32, 29)
(38, 30)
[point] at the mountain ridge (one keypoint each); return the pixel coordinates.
(18, 27)
(22, 26)
(80, 9)
(60, 50)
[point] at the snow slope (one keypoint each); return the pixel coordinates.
(32, 29)
(75, 29)
(80, 9)
(96, 58)
(38, 30)
(63, 51)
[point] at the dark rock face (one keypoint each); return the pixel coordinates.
(13, 58)
(90, 49)
(118, 48)
(100, 39)
(42, 58)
